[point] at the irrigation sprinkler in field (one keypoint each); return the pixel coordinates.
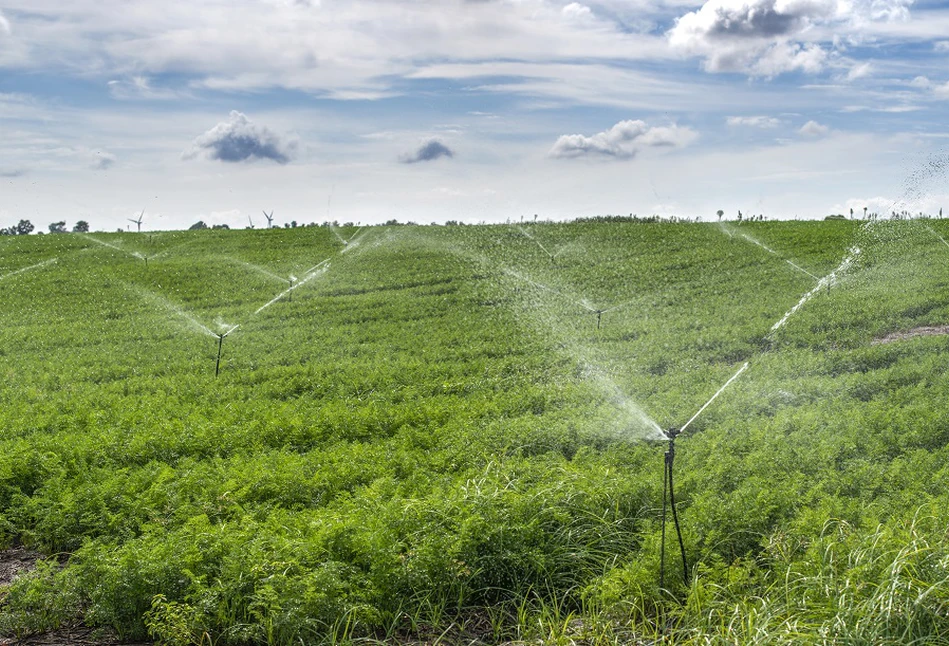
(220, 343)
(290, 290)
(668, 491)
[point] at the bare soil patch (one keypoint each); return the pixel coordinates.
(938, 330)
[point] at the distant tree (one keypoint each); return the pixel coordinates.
(851, 213)
(81, 227)
(864, 213)
(219, 226)
(391, 222)
(57, 227)
(197, 226)
(719, 213)
(739, 216)
(23, 228)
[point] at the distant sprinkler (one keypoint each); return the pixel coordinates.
(599, 315)
(220, 343)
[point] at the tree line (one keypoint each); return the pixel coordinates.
(25, 227)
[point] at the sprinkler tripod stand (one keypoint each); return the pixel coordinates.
(217, 366)
(220, 343)
(667, 487)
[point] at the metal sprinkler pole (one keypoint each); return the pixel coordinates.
(667, 485)
(599, 314)
(217, 366)
(290, 292)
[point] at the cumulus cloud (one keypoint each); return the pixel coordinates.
(813, 129)
(4, 24)
(238, 139)
(429, 151)
(770, 37)
(623, 141)
(754, 122)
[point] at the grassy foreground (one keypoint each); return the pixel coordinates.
(429, 435)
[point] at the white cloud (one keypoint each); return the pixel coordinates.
(429, 151)
(4, 25)
(941, 46)
(859, 71)
(754, 122)
(814, 129)
(238, 139)
(765, 38)
(140, 87)
(623, 141)
(577, 11)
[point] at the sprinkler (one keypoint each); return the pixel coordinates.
(599, 314)
(290, 291)
(220, 342)
(667, 487)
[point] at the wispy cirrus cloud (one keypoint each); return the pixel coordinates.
(238, 139)
(753, 122)
(623, 141)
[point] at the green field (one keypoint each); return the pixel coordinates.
(429, 437)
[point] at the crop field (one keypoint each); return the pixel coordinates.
(455, 434)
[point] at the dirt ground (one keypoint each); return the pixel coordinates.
(938, 330)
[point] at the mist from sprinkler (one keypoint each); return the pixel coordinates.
(30, 268)
(552, 256)
(825, 282)
(933, 231)
(309, 275)
(771, 251)
(260, 270)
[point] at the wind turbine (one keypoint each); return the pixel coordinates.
(138, 222)
(250, 221)
(269, 219)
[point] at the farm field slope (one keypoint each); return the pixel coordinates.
(456, 431)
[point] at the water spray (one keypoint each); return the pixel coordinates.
(668, 491)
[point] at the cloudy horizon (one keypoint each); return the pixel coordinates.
(486, 110)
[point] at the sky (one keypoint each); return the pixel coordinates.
(469, 110)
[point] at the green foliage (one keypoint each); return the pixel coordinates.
(434, 432)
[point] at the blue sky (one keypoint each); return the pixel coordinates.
(473, 110)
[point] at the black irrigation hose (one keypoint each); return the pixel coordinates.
(675, 518)
(667, 485)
